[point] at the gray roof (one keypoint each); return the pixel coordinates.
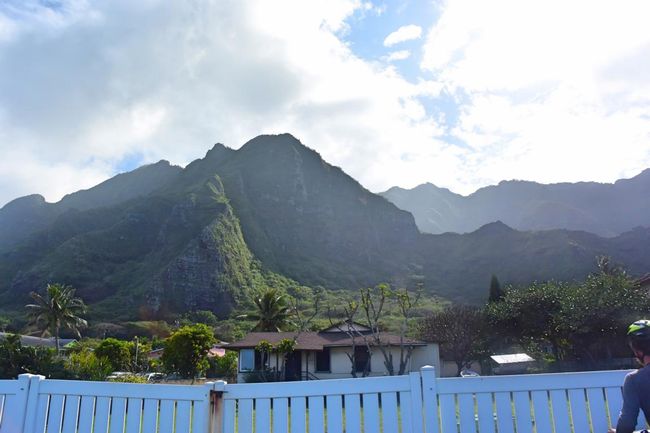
(28, 340)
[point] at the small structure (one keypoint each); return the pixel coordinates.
(326, 354)
(514, 363)
(30, 341)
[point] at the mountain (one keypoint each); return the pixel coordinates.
(604, 209)
(162, 240)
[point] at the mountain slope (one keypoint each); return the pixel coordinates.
(603, 209)
(202, 236)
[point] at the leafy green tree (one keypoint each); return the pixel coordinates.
(495, 289)
(271, 311)
(461, 333)
(223, 366)
(117, 352)
(186, 350)
(86, 365)
(532, 314)
(57, 309)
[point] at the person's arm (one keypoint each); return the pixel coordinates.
(631, 404)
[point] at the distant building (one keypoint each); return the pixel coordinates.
(513, 363)
(30, 341)
(325, 354)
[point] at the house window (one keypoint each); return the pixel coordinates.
(323, 360)
(246, 360)
(361, 359)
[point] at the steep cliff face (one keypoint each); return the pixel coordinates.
(211, 272)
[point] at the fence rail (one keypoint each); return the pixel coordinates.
(415, 403)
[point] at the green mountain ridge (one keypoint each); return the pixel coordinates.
(201, 237)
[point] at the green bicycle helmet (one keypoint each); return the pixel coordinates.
(639, 330)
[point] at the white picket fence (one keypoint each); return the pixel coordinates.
(416, 403)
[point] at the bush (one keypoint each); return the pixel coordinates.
(85, 365)
(129, 378)
(224, 367)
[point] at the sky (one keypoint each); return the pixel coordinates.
(459, 93)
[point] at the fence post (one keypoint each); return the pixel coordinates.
(430, 398)
(216, 397)
(416, 403)
(32, 402)
(15, 410)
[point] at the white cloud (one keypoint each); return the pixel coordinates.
(403, 34)
(167, 80)
(552, 91)
(398, 55)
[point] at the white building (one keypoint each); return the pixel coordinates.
(326, 354)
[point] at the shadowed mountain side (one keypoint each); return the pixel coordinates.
(603, 209)
(202, 236)
(26, 215)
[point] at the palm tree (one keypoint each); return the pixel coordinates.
(272, 314)
(56, 310)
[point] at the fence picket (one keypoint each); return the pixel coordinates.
(614, 398)
(352, 412)
(149, 415)
(560, 407)
(316, 415)
(245, 418)
(15, 404)
(298, 410)
(55, 415)
(523, 420)
(70, 414)
(485, 412)
(504, 412)
(262, 415)
(542, 412)
(334, 414)
(166, 421)
(280, 415)
(597, 409)
(86, 412)
(183, 412)
(466, 410)
(448, 413)
(118, 414)
(102, 414)
(404, 411)
(578, 410)
(229, 416)
(389, 412)
(134, 411)
(370, 413)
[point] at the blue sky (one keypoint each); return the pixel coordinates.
(459, 93)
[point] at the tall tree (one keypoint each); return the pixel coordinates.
(495, 289)
(271, 311)
(461, 333)
(57, 309)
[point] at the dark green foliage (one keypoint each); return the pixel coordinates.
(16, 359)
(186, 351)
(117, 352)
(495, 290)
(86, 365)
(271, 311)
(584, 321)
(166, 240)
(224, 367)
(202, 316)
(461, 331)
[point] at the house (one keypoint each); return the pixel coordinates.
(326, 354)
(30, 341)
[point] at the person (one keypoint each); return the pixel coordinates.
(636, 387)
